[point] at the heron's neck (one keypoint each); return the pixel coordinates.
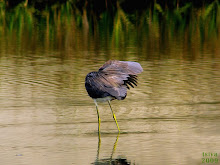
(108, 98)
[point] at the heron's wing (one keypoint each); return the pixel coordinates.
(105, 85)
(121, 72)
(121, 67)
(113, 78)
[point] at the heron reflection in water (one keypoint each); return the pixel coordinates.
(111, 82)
(119, 160)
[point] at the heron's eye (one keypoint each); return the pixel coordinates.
(90, 75)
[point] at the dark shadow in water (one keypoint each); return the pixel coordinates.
(110, 160)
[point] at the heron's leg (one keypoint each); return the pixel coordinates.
(99, 120)
(99, 145)
(114, 116)
(115, 145)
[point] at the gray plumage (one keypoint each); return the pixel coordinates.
(113, 79)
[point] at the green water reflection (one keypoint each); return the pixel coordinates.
(46, 116)
(187, 30)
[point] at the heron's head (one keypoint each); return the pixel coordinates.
(91, 75)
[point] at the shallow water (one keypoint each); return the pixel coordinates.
(46, 116)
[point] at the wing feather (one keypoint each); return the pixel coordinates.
(99, 86)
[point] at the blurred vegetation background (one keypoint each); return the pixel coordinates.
(109, 23)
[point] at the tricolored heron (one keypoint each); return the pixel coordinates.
(111, 82)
